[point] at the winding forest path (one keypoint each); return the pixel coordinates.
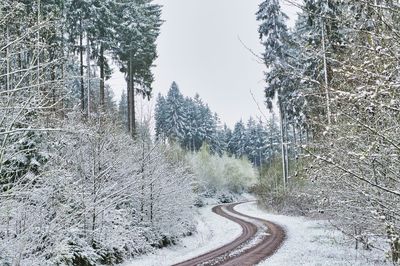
(259, 240)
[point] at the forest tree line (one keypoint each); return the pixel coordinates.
(190, 123)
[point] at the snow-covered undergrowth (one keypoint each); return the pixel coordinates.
(213, 231)
(100, 198)
(220, 177)
(311, 242)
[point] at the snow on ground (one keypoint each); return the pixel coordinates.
(213, 231)
(311, 242)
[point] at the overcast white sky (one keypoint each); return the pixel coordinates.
(199, 48)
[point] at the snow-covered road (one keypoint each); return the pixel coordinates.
(308, 242)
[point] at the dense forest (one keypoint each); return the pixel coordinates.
(75, 187)
(335, 76)
(85, 181)
(190, 123)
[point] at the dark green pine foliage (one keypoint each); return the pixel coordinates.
(252, 141)
(261, 144)
(319, 36)
(258, 141)
(175, 115)
(274, 35)
(225, 135)
(22, 157)
(209, 128)
(216, 138)
(322, 15)
(103, 32)
(160, 118)
(138, 28)
(199, 131)
(78, 17)
(188, 122)
(189, 142)
(272, 139)
(238, 142)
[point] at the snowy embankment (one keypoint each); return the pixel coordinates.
(213, 231)
(311, 242)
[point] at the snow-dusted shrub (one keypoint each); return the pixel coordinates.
(298, 198)
(217, 175)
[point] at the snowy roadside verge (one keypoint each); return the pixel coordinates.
(213, 231)
(311, 242)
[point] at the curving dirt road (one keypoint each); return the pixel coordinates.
(259, 240)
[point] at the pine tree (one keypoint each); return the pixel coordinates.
(198, 118)
(139, 26)
(238, 141)
(160, 117)
(216, 137)
(175, 115)
(252, 141)
(274, 34)
(225, 138)
(77, 24)
(261, 143)
(319, 34)
(105, 23)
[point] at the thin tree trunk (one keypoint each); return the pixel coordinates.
(128, 106)
(8, 57)
(151, 202)
(294, 134)
(282, 143)
(94, 194)
(301, 135)
(132, 128)
(53, 89)
(143, 183)
(63, 87)
(131, 118)
(328, 107)
(88, 72)
(81, 66)
(261, 164)
(38, 44)
(286, 148)
(271, 152)
(294, 141)
(102, 77)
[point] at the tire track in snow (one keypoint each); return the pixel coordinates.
(259, 240)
